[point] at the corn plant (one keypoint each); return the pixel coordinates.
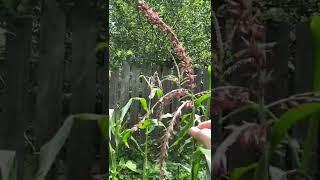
(118, 139)
(193, 107)
(268, 131)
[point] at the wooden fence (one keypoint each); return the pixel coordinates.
(125, 83)
(51, 69)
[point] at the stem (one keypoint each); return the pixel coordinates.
(115, 171)
(145, 164)
(192, 159)
(193, 142)
(292, 98)
(261, 99)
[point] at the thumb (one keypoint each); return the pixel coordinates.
(203, 135)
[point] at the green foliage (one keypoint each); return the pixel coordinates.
(142, 147)
(279, 132)
(15, 8)
(315, 30)
(237, 173)
(312, 135)
(119, 136)
(101, 46)
(290, 118)
(133, 39)
(288, 11)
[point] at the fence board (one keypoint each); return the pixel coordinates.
(113, 88)
(303, 59)
(14, 119)
(125, 84)
(84, 29)
(303, 82)
(198, 79)
(49, 97)
(48, 115)
(278, 64)
(135, 87)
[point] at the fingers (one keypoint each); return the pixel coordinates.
(202, 135)
(205, 124)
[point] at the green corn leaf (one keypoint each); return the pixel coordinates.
(143, 103)
(125, 136)
(309, 143)
(279, 132)
(155, 91)
(125, 109)
(159, 93)
(315, 30)
(202, 98)
(184, 131)
(210, 87)
(311, 139)
(261, 172)
(237, 173)
(290, 118)
(101, 46)
(137, 144)
(147, 123)
(132, 166)
(111, 122)
(50, 150)
(103, 126)
(196, 158)
(152, 93)
(112, 157)
(207, 154)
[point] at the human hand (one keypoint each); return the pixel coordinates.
(202, 133)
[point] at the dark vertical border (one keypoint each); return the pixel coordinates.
(106, 58)
(213, 47)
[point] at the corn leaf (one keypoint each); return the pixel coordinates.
(50, 150)
(237, 173)
(313, 129)
(207, 154)
(7, 165)
(289, 119)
